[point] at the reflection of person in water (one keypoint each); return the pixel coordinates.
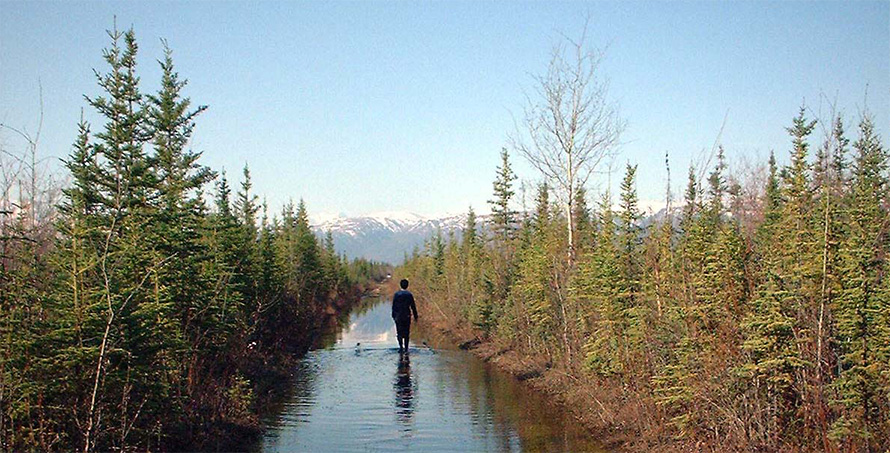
(402, 307)
(404, 388)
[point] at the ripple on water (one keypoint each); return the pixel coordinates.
(368, 397)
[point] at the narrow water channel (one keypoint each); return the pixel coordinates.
(357, 393)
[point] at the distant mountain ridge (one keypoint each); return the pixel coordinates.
(386, 236)
(389, 236)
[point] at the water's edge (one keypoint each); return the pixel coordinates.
(531, 375)
(343, 395)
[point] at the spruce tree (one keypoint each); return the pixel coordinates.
(219, 318)
(630, 252)
(862, 307)
(531, 293)
(717, 186)
(775, 328)
(129, 333)
(542, 217)
(691, 205)
(503, 218)
(170, 122)
(125, 178)
(599, 285)
(470, 234)
(246, 207)
(248, 270)
(583, 223)
(309, 260)
(437, 245)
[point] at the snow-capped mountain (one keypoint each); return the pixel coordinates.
(389, 236)
(384, 236)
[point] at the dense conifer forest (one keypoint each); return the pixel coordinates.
(139, 312)
(150, 303)
(754, 315)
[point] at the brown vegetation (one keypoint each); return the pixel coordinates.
(755, 319)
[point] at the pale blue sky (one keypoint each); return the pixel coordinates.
(372, 106)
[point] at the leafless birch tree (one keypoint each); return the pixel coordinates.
(569, 125)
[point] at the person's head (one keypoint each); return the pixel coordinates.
(404, 283)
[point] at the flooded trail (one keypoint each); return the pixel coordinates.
(357, 393)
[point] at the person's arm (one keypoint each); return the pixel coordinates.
(413, 307)
(393, 309)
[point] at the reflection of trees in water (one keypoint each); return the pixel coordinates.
(499, 412)
(404, 388)
(365, 305)
(466, 384)
(332, 332)
(506, 411)
(298, 395)
(470, 384)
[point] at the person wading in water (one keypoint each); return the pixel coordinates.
(402, 307)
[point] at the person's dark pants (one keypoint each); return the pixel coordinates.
(403, 331)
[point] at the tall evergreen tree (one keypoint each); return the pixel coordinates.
(543, 210)
(629, 242)
(170, 122)
(129, 335)
(862, 308)
(599, 283)
(717, 185)
(248, 270)
(774, 328)
(692, 201)
(503, 217)
(470, 234)
(246, 205)
(583, 223)
(125, 180)
(308, 261)
(532, 293)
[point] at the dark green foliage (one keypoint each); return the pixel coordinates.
(503, 217)
(150, 321)
(148, 315)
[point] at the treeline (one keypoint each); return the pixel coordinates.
(732, 323)
(147, 316)
(364, 270)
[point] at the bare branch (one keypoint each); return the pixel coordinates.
(569, 127)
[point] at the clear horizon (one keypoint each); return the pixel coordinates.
(367, 107)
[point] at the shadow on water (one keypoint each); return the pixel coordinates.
(356, 392)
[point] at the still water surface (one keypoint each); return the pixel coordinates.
(357, 393)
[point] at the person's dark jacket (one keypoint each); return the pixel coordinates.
(403, 306)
